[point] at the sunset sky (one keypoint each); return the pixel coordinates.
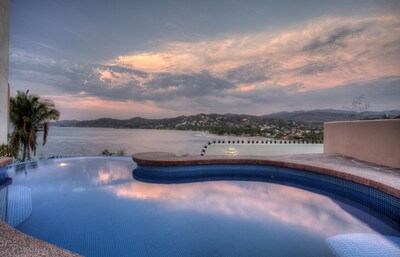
(165, 58)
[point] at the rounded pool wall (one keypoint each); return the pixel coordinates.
(381, 203)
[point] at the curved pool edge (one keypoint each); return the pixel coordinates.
(384, 179)
(338, 175)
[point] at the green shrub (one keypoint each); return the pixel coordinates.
(8, 151)
(120, 152)
(106, 153)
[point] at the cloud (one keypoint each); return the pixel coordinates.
(115, 82)
(247, 74)
(321, 53)
(319, 64)
(337, 37)
(168, 86)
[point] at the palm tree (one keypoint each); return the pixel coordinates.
(28, 113)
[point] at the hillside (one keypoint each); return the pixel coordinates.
(311, 118)
(300, 125)
(321, 116)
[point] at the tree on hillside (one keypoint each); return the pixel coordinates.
(360, 105)
(28, 113)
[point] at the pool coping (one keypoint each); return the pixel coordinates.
(382, 178)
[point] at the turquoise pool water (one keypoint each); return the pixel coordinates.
(93, 206)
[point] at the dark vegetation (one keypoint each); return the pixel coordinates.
(28, 115)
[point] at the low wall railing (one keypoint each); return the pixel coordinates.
(247, 142)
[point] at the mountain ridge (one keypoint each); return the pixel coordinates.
(298, 125)
(316, 117)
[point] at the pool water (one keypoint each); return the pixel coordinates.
(94, 207)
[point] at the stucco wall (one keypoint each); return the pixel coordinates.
(4, 42)
(376, 141)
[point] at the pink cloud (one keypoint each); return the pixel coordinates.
(239, 73)
(321, 53)
(82, 106)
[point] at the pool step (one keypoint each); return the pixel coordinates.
(362, 245)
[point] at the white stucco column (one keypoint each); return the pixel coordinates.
(4, 89)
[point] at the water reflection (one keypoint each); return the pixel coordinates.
(71, 141)
(263, 202)
(86, 171)
(111, 173)
(252, 201)
(24, 167)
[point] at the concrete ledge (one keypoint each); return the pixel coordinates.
(379, 177)
(14, 243)
(375, 141)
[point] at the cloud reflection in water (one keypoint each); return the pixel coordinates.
(256, 201)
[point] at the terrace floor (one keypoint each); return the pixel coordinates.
(14, 243)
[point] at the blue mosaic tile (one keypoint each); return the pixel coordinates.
(19, 204)
(370, 197)
(3, 204)
(4, 179)
(3, 173)
(130, 218)
(172, 172)
(384, 197)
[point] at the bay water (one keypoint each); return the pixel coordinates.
(73, 141)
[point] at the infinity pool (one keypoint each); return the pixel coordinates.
(94, 207)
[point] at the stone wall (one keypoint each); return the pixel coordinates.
(376, 141)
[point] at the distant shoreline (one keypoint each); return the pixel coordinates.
(298, 125)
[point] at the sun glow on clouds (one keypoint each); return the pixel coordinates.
(117, 79)
(175, 61)
(322, 53)
(90, 107)
(258, 73)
